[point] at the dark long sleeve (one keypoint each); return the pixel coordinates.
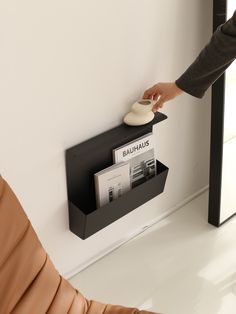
(212, 61)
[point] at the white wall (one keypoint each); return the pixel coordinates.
(70, 70)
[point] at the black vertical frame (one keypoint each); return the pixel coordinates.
(217, 128)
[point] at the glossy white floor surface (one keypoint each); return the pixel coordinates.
(182, 265)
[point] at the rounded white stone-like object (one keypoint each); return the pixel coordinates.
(141, 113)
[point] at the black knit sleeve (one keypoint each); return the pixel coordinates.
(212, 61)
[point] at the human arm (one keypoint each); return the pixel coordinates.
(212, 61)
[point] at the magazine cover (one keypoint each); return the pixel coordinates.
(111, 183)
(141, 156)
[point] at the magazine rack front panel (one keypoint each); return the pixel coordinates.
(86, 225)
(93, 155)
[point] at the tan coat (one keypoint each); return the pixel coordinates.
(29, 282)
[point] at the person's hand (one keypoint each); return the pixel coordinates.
(162, 92)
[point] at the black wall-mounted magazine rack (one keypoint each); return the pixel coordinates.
(93, 155)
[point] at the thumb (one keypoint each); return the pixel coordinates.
(159, 104)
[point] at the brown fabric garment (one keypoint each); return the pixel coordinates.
(29, 283)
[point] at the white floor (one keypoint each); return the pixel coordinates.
(182, 265)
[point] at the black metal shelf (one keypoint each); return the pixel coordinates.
(93, 155)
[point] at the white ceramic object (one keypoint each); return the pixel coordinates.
(141, 113)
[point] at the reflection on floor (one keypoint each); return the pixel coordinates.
(182, 265)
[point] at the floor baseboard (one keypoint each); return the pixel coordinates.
(133, 234)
